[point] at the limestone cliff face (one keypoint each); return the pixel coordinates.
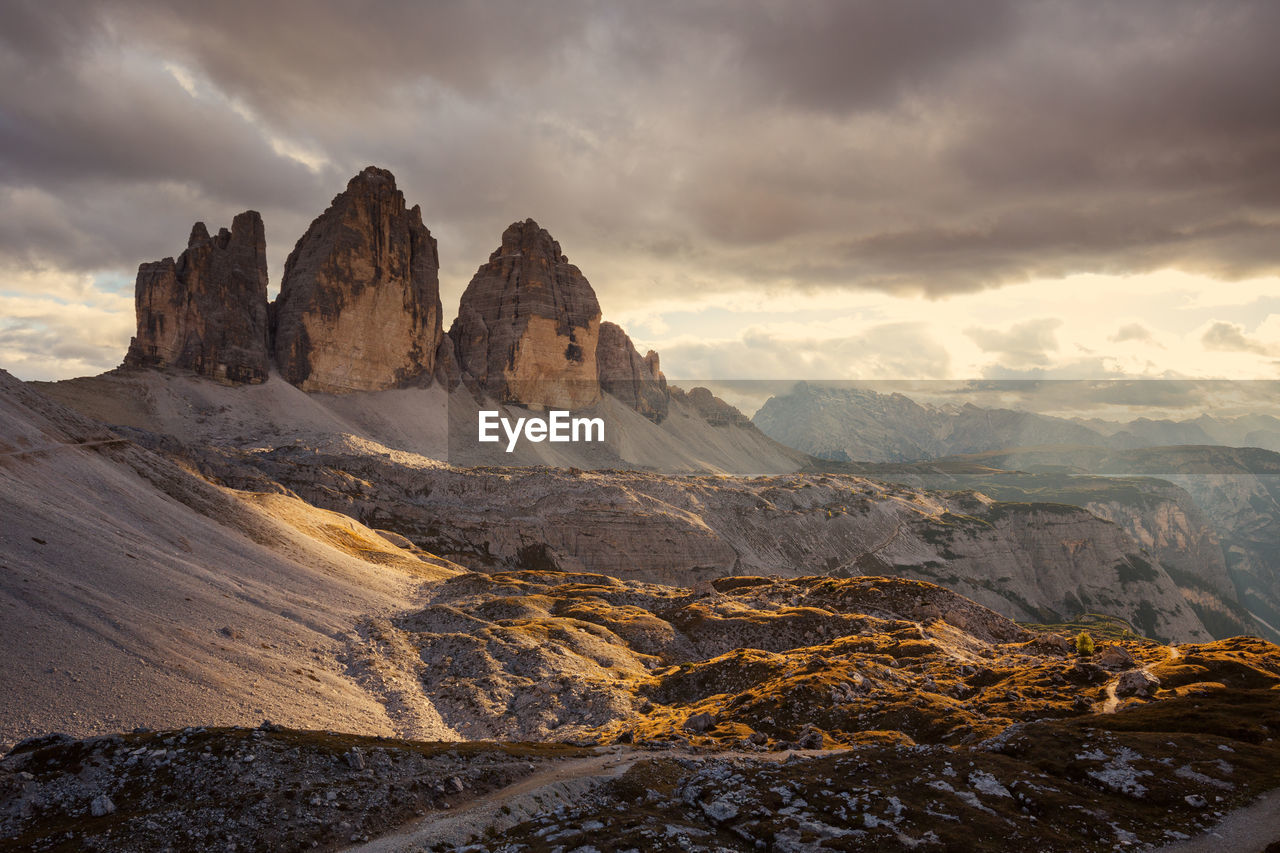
(207, 311)
(1243, 502)
(448, 374)
(634, 379)
(1181, 538)
(529, 324)
(1162, 520)
(359, 305)
(1041, 562)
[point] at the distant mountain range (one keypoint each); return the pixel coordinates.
(1209, 511)
(855, 424)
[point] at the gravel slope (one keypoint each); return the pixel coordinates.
(135, 594)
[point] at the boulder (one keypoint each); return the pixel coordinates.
(720, 810)
(359, 305)
(102, 806)
(699, 723)
(1137, 683)
(810, 738)
(207, 311)
(1116, 657)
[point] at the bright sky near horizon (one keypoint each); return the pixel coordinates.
(923, 189)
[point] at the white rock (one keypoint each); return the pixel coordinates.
(102, 806)
(720, 810)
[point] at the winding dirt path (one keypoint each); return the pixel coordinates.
(897, 529)
(556, 784)
(561, 783)
(62, 445)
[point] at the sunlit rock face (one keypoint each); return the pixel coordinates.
(529, 323)
(207, 311)
(359, 305)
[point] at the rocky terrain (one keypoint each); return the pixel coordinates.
(801, 714)
(1030, 561)
(135, 593)
(1207, 512)
(746, 662)
(1236, 489)
(1027, 560)
(868, 711)
(699, 434)
(265, 788)
(1137, 779)
(1162, 517)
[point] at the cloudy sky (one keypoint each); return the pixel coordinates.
(906, 189)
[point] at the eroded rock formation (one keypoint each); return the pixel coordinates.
(207, 311)
(359, 310)
(633, 379)
(529, 323)
(359, 304)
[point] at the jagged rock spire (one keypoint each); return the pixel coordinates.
(528, 324)
(359, 304)
(207, 311)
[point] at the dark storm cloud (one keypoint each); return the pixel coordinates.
(81, 101)
(921, 146)
(298, 57)
(839, 56)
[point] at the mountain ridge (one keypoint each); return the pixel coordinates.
(863, 425)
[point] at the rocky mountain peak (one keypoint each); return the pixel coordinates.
(359, 310)
(207, 311)
(529, 323)
(199, 234)
(529, 331)
(528, 236)
(373, 176)
(359, 305)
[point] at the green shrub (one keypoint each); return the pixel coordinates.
(1084, 644)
